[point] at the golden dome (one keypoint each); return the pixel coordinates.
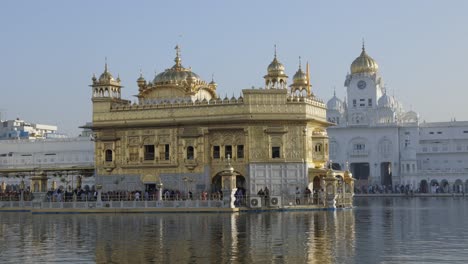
(275, 67)
(177, 74)
(300, 77)
(364, 64)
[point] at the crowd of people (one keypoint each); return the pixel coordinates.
(15, 195)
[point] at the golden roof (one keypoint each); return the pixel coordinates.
(177, 74)
(364, 63)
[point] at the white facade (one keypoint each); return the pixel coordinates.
(20, 129)
(385, 145)
(25, 157)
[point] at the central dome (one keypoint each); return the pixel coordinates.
(177, 74)
(364, 64)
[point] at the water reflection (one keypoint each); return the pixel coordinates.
(294, 237)
(391, 230)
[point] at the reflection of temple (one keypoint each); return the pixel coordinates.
(180, 132)
(296, 237)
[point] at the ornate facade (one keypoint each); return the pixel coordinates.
(180, 132)
(388, 146)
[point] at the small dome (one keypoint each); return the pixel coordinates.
(386, 101)
(106, 76)
(335, 104)
(275, 67)
(300, 77)
(364, 64)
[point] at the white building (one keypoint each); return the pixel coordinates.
(20, 129)
(63, 159)
(388, 146)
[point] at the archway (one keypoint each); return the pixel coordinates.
(445, 186)
(434, 186)
(216, 183)
(386, 174)
(316, 184)
(458, 186)
(423, 186)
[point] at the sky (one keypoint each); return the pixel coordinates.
(49, 50)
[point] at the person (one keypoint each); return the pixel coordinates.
(261, 194)
(267, 195)
(298, 196)
(137, 196)
(307, 194)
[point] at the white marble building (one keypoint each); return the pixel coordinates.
(386, 145)
(61, 158)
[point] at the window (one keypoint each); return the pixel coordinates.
(149, 152)
(228, 151)
(439, 132)
(108, 155)
(354, 102)
(369, 102)
(432, 133)
(407, 142)
(190, 153)
(240, 151)
(166, 152)
(359, 146)
(216, 154)
(318, 148)
(275, 152)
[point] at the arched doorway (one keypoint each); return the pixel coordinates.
(216, 183)
(434, 186)
(444, 186)
(386, 174)
(423, 186)
(316, 184)
(458, 186)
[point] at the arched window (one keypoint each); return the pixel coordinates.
(318, 148)
(108, 155)
(190, 153)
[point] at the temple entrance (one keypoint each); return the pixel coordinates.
(361, 173)
(216, 183)
(423, 187)
(316, 184)
(386, 173)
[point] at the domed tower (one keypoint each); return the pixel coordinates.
(335, 110)
(301, 82)
(386, 109)
(276, 78)
(364, 88)
(106, 86)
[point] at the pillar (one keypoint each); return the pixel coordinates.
(330, 189)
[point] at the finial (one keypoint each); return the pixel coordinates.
(334, 91)
(363, 45)
(177, 58)
(347, 165)
(212, 77)
(105, 65)
(275, 51)
(300, 62)
(141, 73)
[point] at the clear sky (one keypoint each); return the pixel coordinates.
(50, 49)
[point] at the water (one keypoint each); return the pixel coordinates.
(378, 230)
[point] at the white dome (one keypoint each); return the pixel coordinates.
(386, 101)
(335, 104)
